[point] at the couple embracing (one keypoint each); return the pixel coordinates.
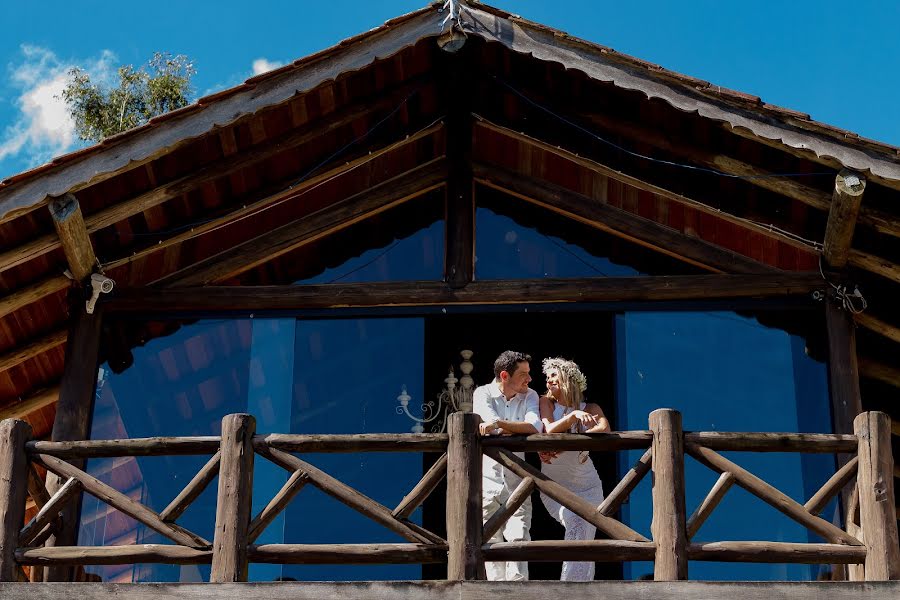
(507, 406)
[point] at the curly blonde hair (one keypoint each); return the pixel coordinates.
(572, 382)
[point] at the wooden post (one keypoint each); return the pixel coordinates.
(668, 527)
(459, 261)
(73, 236)
(229, 561)
(845, 203)
(13, 475)
(464, 559)
(876, 496)
(74, 411)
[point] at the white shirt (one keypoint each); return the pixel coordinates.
(491, 405)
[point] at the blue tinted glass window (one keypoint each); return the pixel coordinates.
(725, 372)
(325, 376)
(516, 240)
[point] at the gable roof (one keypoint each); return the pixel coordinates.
(790, 128)
(169, 199)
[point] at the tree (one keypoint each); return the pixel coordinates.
(163, 85)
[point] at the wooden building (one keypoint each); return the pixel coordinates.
(294, 246)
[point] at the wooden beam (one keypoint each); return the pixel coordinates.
(709, 504)
(348, 554)
(73, 236)
(33, 403)
(879, 326)
(875, 481)
(22, 297)
(279, 501)
(49, 512)
(113, 555)
(875, 264)
(846, 201)
(629, 481)
(770, 495)
(29, 350)
(777, 552)
(430, 293)
(270, 245)
(423, 489)
(459, 240)
(564, 496)
(233, 504)
(843, 370)
(464, 514)
(880, 371)
(577, 550)
(193, 489)
(460, 590)
(635, 182)
(13, 472)
(512, 504)
(74, 412)
(668, 526)
(123, 503)
(185, 184)
(832, 487)
(347, 495)
(617, 222)
(821, 443)
(880, 221)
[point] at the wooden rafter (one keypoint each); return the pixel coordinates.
(31, 404)
(878, 220)
(29, 350)
(73, 236)
(35, 292)
(631, 181)
(845, 204)
(436, 293)
(270, 245)
(617, 222)
(221, 168)
(271, 199)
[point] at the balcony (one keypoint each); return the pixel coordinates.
(865, 550)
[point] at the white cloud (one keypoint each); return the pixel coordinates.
(42, 127)
(262, 65)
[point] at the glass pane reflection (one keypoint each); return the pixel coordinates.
(725, 372)
(325, 376)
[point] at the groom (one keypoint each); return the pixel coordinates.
(507, 406)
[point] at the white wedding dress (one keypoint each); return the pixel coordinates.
(576, 472)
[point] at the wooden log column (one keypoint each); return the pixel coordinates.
(13, 475)
(74, 411)
(459, 260)
(668, 527)
(229, 561)
(464, 559)
(73, 236)
(875, 479)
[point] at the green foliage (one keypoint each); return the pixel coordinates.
(163, 85)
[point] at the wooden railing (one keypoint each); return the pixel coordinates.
(869, 545)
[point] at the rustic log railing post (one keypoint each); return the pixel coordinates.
(464, 527)
(876, 496)
(13, 475)
(668, 527)
(229, 561)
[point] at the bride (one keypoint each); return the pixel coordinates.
(563, 410)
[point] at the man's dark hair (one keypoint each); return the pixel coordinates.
(508, 362)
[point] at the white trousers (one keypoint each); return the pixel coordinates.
(516, 529)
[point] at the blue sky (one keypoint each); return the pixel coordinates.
(832, 59)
